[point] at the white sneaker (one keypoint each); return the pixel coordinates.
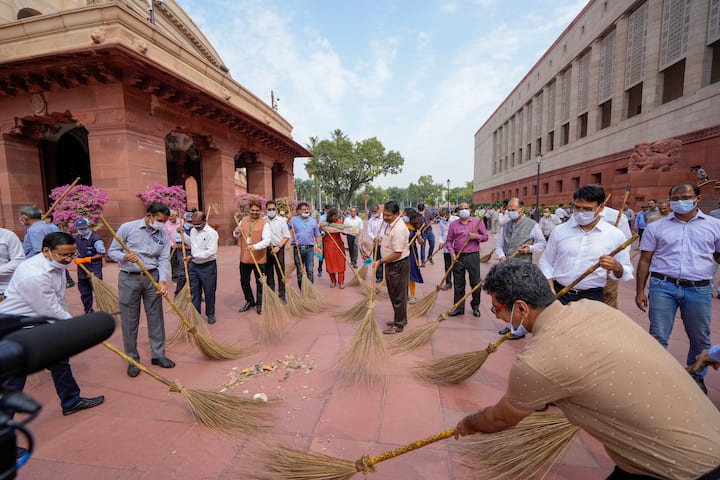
(412, 300)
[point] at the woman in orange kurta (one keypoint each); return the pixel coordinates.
(333, 251)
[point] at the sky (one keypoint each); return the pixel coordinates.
(420, 75)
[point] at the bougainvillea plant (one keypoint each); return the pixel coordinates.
(242, 203)
(81, 202)
(174, 197)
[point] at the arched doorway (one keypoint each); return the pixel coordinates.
(65, 156)
(184, 166)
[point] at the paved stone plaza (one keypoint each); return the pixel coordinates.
(142, 431)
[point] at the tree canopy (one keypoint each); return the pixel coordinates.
(342, 167)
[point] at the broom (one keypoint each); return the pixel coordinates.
(273, 321)
(217, 410)
(421, 335)
(60, 198)
(361, 281)
(294, 298)
(106, 297)
(527, 450)
(527, 440)
(427, 302)
(610, 292)
(365, 354)
(307, 289)
(357, 311)
(456, 368)
(431, 256)
(209, 347)
(183, 300)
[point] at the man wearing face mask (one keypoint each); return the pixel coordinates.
(470, 232)
(91, 251)
(37, 289)
(279, 237)
(680, 254)
(373, 231)
(521, 234)
(202, 266)
(305, 235)
(150, 244)
(395, 255)
(579, 243)
(444, 222)
(606, 375)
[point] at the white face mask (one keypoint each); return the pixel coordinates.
(464, 213)
(271, 213)
(513, 215)
(520, 330)
(584, 218)
(305, 214)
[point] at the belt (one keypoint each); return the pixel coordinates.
(576, 292)
(151, 270)
(307, 246)
(680, 283)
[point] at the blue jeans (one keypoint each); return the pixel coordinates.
(306, 253)
(429, 238)
(695, 305)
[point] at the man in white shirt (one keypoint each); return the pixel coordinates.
(581, 242)
(11, 255)
(353, 221)
(279, 237)
(37, 289)
(562, 214)
(202, 266)
(373, 231)
(444, 222)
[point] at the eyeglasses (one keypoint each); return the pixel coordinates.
(65, 256)
(683, 197)
(497, 309)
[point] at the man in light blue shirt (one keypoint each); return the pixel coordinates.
(31, 216)
(305, 239)
(680, 254)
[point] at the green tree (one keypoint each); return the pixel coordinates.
(426, 190)
(304, 189)
(343, 167)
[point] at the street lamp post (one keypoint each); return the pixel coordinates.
(538, 160)
(448, 195)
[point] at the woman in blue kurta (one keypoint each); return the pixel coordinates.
(414, 223)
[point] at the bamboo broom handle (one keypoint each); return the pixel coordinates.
(155, 284)
(84, 268)
(455, 259)
(136, 364)
(590, 270)
(60, 198)
(277, 261)
(474, 289)
(494, 346)
(185, 265)
(207, 214)
(366, 462)
(625, 199)
(297, 245)
(517, 252)
(432, 255)
(347, 260)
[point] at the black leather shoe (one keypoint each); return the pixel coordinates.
(84, 404)
(431, 261)
(456, 312)
(133, 371)
(246, 307)
(70, 284)
(392, 330)
(504, 331)
(258, 307)
(211, 319)
(515, 337)
(390, 324)
(447, 286)
(476, 312)
(701, 383)
(163, 362)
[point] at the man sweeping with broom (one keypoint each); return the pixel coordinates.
(607, 375)
(91, 251)
(253, 233)
(395, 257)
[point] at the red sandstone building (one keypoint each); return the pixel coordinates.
(125, 97)
(628, 94)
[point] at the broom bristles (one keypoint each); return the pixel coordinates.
(308, 290)
(354, 313)
(527, 450)
(363, 359)
(212, 349)
(226, 413)
(182, 334)
(413, 338)
(294, 302)
(273, 319)
(285, 463)
(423, 305)
(360, 275)
(106, 297)
(451, 370)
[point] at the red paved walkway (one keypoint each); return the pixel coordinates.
(145, 432)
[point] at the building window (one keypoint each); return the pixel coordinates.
(582, 125)
(621, 171)
(520, 157)
(551, 141)
(565, 134)
(634, 100)
(715, 62)
(605, 114)
(524, 191)
(596, 178)
(529, 147)
(512, 159)
(576, 183)
(545, 188)
(673, 80)
(538, 145)
(559, 186)
(534, 190)
(517, 192)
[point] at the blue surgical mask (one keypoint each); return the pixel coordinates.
(584, 218)
(682, 206)
(406, 219)
(520, 330)
(60, 266)
(271, 213)
(465, 213)
(513, 215)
